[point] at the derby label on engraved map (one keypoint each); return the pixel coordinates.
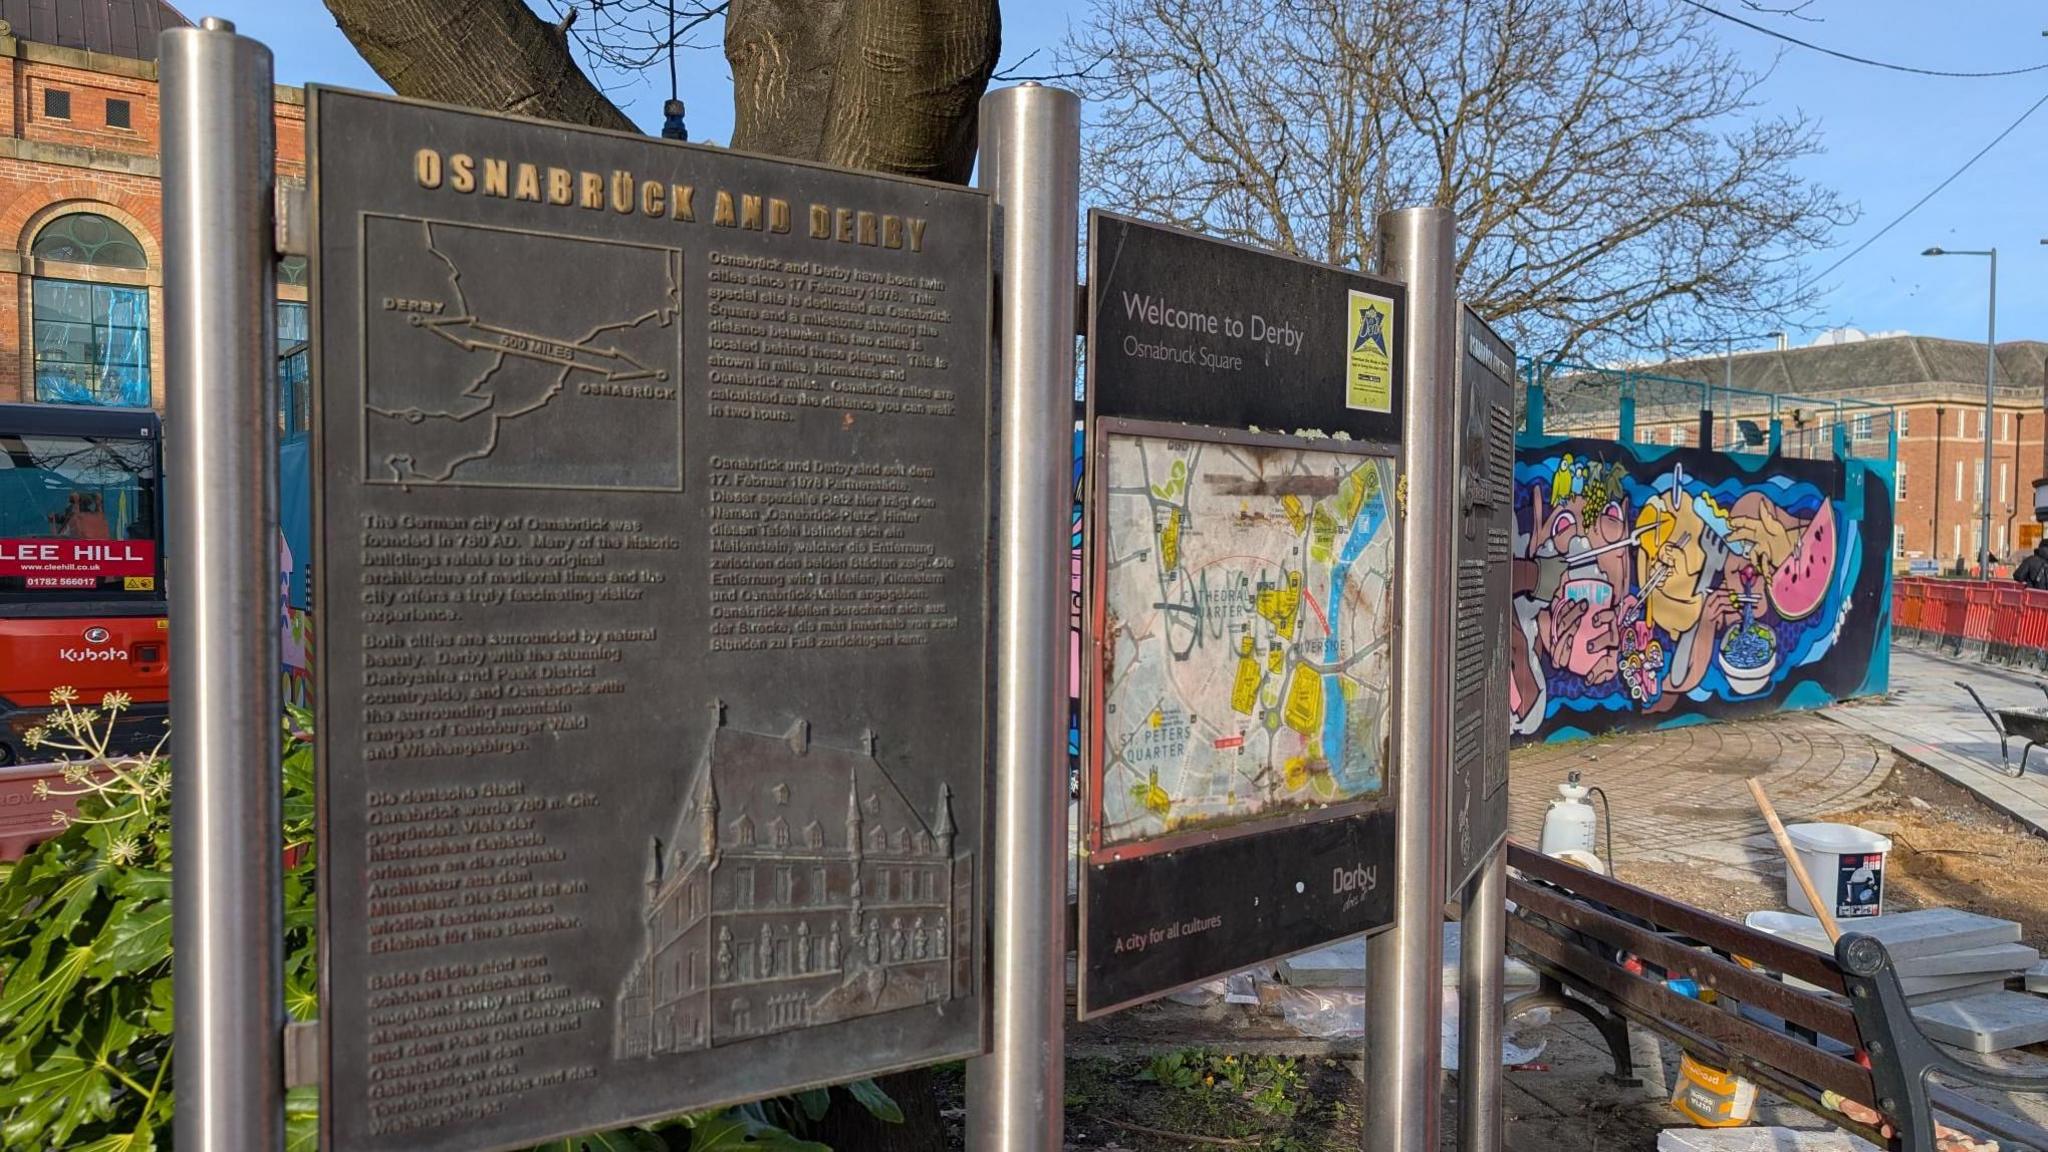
(500, 373)
(1246, 608)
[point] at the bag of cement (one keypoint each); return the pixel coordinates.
(1710, 1097)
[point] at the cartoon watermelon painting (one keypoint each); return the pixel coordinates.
(1801, 583)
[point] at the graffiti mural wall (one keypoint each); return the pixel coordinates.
(1662, 586)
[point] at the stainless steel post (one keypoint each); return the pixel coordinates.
(1031, 161)
(1404, 993)
(221, 441)
(1482, 972)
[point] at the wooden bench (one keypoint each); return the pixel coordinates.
(1856, 1037)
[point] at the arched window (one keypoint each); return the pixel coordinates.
(88, 238)
(91, 329)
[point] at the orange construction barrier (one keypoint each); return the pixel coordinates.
(1995, 620)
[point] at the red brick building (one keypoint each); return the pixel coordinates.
(81, 259)
(1932, 388)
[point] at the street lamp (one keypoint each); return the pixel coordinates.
(2041, 485)
(1990, 382)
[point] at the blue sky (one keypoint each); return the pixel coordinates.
(1890, 136)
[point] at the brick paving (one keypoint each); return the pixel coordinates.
(1681, 795)
(1929, 720)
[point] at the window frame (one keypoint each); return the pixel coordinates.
(126, 123)
(101, 333)
(53, 100)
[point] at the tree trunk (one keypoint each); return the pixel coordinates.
(883, 85)
(492, 54)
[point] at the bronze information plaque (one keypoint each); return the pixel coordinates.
(654, 503)
(1479, 663)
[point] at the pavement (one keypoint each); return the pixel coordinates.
(1680, 796)
(1929, 720)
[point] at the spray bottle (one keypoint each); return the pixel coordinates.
(1569, 825)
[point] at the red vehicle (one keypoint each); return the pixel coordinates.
(81, 567)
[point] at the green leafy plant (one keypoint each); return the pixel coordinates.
(1269, 1085)
(85, 967)
(85, 950)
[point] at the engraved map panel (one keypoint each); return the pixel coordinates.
(562, 374)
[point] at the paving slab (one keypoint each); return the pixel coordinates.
(1912, 936)
(1930, 721)
(1758, 1140)
(1976, 987)
(1997, 958)
(1992, 1022)
(2037, 978)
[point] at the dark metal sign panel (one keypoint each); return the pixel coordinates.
(1238, 713)
(653, 581)
(1190, 329)
(1479, 664)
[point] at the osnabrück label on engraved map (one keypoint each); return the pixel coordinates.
(653, 618)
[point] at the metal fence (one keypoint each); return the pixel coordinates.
(1561, 398)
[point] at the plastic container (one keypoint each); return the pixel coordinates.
(1846, 865)
(1568, 826)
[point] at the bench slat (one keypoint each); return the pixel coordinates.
(1728, 979)
(1794, 1057)
(1816, 968)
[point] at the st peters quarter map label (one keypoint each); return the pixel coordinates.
(653, 613)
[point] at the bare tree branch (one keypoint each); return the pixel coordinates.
(1614, 187)
(1796, 11)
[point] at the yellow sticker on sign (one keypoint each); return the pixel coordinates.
(138, 583)
(1369, 353)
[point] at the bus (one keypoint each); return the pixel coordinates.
(81, 567)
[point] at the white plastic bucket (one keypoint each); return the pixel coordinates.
(1845, 863)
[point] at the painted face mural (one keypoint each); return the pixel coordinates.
(1074, 629)
(1655, 586)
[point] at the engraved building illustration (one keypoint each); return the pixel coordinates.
(800, 886)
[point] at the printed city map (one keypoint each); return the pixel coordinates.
(1246, 598)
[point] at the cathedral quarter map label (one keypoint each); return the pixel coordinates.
(1240, 560)
(654, 491)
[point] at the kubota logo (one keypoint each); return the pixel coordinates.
(95, 635)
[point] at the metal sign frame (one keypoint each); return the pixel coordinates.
(1252, 339)
(1478, 796)
(925, 786)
